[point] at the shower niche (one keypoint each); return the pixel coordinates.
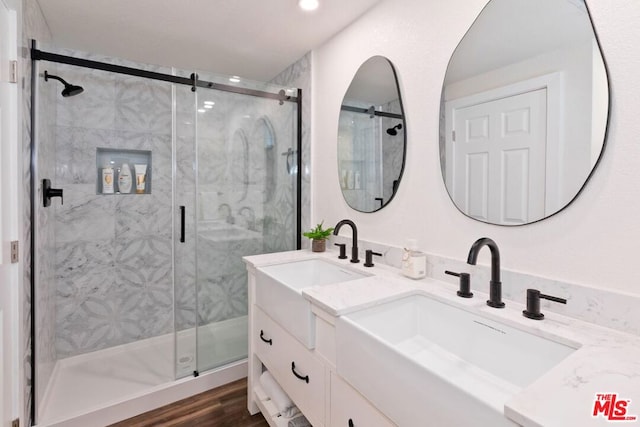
(109, 166)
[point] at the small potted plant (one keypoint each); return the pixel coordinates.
(318, 237)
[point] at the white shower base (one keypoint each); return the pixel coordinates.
(107, 386)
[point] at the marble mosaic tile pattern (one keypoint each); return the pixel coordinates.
(114, 275)
(298, 75)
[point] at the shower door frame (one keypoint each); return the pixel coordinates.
(194, 82)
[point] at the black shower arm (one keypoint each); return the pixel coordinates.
(48, 76)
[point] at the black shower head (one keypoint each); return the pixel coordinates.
(69, 89)
(392, 131)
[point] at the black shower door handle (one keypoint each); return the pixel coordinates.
(182, 224)
(48, 193)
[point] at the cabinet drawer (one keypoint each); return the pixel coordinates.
(297, 370)
(350, 409)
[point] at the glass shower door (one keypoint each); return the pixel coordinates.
(245, 206)
(235, 195)
(184, 155)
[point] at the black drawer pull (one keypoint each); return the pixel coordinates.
(300, 377)
(350, 422)
(268, 341)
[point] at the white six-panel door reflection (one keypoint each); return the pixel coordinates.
(498, 151)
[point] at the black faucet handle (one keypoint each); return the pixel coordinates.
(343, 250)
(465, 284)
(368, 257)
(533, 303)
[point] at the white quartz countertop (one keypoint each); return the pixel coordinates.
(606, 361)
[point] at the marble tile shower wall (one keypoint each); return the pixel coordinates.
(113, 253)
(298, 75)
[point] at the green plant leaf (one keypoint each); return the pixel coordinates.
(318, 233)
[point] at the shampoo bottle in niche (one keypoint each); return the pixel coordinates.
(141, 178)
(107, 179)
(124, 179)
(414, 262)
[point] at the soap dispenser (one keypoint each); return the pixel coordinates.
(414, 262)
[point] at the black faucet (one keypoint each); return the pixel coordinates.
(495, 286)
(354, 244)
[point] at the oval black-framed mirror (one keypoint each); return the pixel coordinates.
(524, 111)
(371, 137)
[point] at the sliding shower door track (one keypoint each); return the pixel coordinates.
(194, 82)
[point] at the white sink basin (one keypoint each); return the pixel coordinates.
(279, 292)
(416, 352)
(312, 272)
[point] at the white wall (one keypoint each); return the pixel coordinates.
(594, 241)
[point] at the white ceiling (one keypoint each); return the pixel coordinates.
(254, 39)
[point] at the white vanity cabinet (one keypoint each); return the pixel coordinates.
(300, 374)
(350, 409)
(307, 375)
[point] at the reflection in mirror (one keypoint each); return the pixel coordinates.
(524, 111)
(238, 166)
(263, 138)
(371, 137)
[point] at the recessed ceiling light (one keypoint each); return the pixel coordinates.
(208, 106)
(234, 79)
(209, 103)
(201, 110)
(308, 4)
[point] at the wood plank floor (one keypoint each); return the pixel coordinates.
(225, 406)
